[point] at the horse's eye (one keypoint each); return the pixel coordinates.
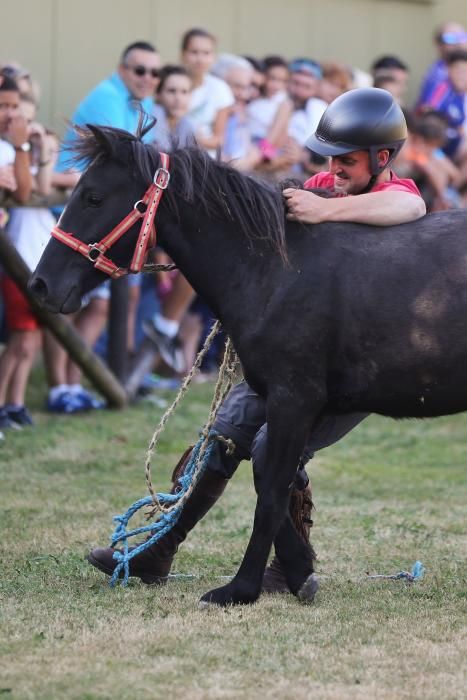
(93, 199)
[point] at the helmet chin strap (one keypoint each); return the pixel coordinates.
(370, 184)
(374, 165)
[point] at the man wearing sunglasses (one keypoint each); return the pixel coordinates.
(117, 102)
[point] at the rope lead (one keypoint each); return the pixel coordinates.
(170, 505)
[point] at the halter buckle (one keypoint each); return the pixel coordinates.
(164, 184)
(93, 249)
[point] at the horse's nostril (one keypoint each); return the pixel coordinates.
(38, 288)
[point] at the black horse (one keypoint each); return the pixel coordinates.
(334, 318)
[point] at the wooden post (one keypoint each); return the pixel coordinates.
(92, 366)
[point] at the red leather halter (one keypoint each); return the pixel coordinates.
(95, 252)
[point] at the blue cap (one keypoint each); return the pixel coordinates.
(306, 65)
(453, 38)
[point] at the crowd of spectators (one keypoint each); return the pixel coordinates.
(254, 112)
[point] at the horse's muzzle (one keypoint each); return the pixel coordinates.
(56, 303)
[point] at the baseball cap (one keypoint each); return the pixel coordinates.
(452, 38)
(306, 65)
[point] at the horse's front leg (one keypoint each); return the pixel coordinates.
(287, 432)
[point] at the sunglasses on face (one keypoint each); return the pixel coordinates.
(140, 71)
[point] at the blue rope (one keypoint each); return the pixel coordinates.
(164, 523)
(417, 572)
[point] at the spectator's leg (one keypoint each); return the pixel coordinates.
(24, 345)
(56, 360)
(163, 328)
(8, 363)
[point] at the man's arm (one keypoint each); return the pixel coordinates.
(387, 208)
(18, 134)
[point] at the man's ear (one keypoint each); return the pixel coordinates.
(383, 157)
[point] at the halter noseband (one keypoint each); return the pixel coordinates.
(145, 207)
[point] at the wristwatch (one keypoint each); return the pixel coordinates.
(25, 147)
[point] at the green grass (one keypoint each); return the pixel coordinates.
(390, 493)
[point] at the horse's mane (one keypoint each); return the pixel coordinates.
(255, 207)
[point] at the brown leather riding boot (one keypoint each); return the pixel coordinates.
(153, 565)
(300, 507)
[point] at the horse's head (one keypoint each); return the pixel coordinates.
(104, 196)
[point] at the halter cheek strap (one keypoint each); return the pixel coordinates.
(145, 208)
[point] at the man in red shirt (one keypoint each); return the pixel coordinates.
(361, 131)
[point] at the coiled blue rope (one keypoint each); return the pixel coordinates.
(165, 521)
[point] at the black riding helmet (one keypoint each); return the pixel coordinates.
(364, 119)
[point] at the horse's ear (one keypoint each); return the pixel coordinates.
(101, 137)
(146, 123)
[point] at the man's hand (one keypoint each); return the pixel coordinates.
(7, 178)
(305, 206)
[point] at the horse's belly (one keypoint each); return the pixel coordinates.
(406, 397)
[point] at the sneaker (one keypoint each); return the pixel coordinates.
(5, 421)
(154, 381)
(87, 400)
(20, 415)
(64, 403)
(169, 349)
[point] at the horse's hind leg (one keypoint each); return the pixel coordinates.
(296, 557)
(288, 423)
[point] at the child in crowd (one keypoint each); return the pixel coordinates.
(269, 115)
(211, 97)
(173, 128)
(173, 96)
(449, 97)
(29, 230)
(423, 160)
(336, 79)
(258, 78)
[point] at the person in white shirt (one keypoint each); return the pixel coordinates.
(28, 229)
(211, 97)
(306, 111)
(269, 114)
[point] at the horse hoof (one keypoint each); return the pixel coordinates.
(226, 596)
(307, 591)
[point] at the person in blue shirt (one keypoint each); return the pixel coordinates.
(449, 98)
(117, 101)
(449, 37)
